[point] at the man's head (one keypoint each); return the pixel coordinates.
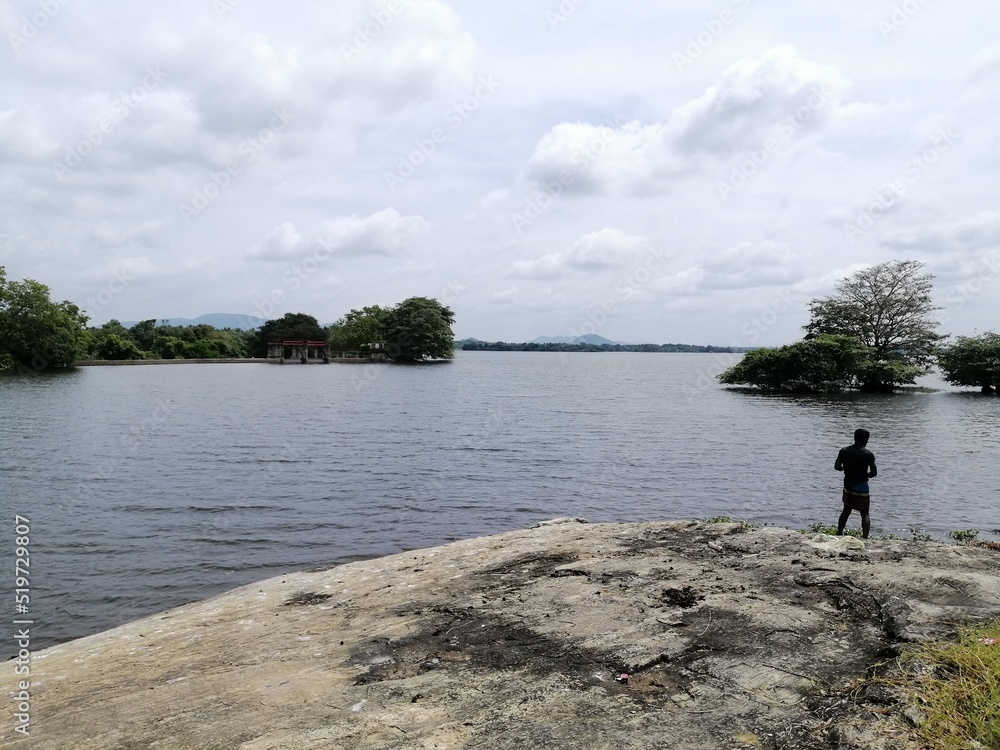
(861, 437)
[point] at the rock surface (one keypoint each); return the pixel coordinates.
(731, 637)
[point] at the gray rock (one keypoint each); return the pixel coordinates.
(516, 640)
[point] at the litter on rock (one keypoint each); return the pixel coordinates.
(622, 678)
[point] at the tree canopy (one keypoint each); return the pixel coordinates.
(290, 326)
(887, 308)
(875, 333)
(359, 328)
(35, 332)
(419, 328)
(973, 361)
(825, 363)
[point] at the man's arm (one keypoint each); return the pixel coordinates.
(839, 464)
(872, 468)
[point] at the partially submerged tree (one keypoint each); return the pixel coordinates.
(825, 363)
(888, 309)
(419, 328)
(973, 361)
(35, 332)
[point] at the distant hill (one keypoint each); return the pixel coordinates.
(216, 320)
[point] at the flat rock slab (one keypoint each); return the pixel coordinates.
(731, 637)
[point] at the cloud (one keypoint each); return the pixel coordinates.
(755, 98)
(776, 96)
(986, 62)
(601, 159)
(509, 296)
(595, 251)
(967, 234)
(383, 233)
(413, 268)
(745, 265)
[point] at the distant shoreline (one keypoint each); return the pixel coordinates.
(244, 361)
(119, 362)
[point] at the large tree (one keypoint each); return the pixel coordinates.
(290, 326)
(973, 361)
(888, 308)
(359, 328)
(419, 328)
(35, 332)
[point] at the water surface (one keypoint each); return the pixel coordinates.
(151, 486)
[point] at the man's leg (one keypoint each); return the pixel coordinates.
(866, 524)
(842, 521)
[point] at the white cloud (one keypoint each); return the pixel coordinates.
(509, 296)
(755, 99)
(962, 235)
(986, 62)
(413, 268)
(383, 233)
(772, 98)
(602, 250)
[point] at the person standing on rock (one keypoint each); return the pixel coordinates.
(858, 465)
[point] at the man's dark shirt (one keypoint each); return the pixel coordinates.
(855, 460)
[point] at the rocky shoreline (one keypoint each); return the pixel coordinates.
(730, 637)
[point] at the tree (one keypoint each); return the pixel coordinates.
(114, 346)
(824, 363)
(419, 328)
(973, 361)
(144, 334)
(290, 326)
(35, 332)
(887, 308)
(359, 328)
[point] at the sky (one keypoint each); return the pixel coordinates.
(651, 172)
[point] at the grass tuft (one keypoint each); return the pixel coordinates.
(956, 686)
(822, 528)
(964, 536)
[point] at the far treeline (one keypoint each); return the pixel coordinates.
(503, 346)
(37, 334)
(876, 333)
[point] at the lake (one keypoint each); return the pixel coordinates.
(148, 487)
